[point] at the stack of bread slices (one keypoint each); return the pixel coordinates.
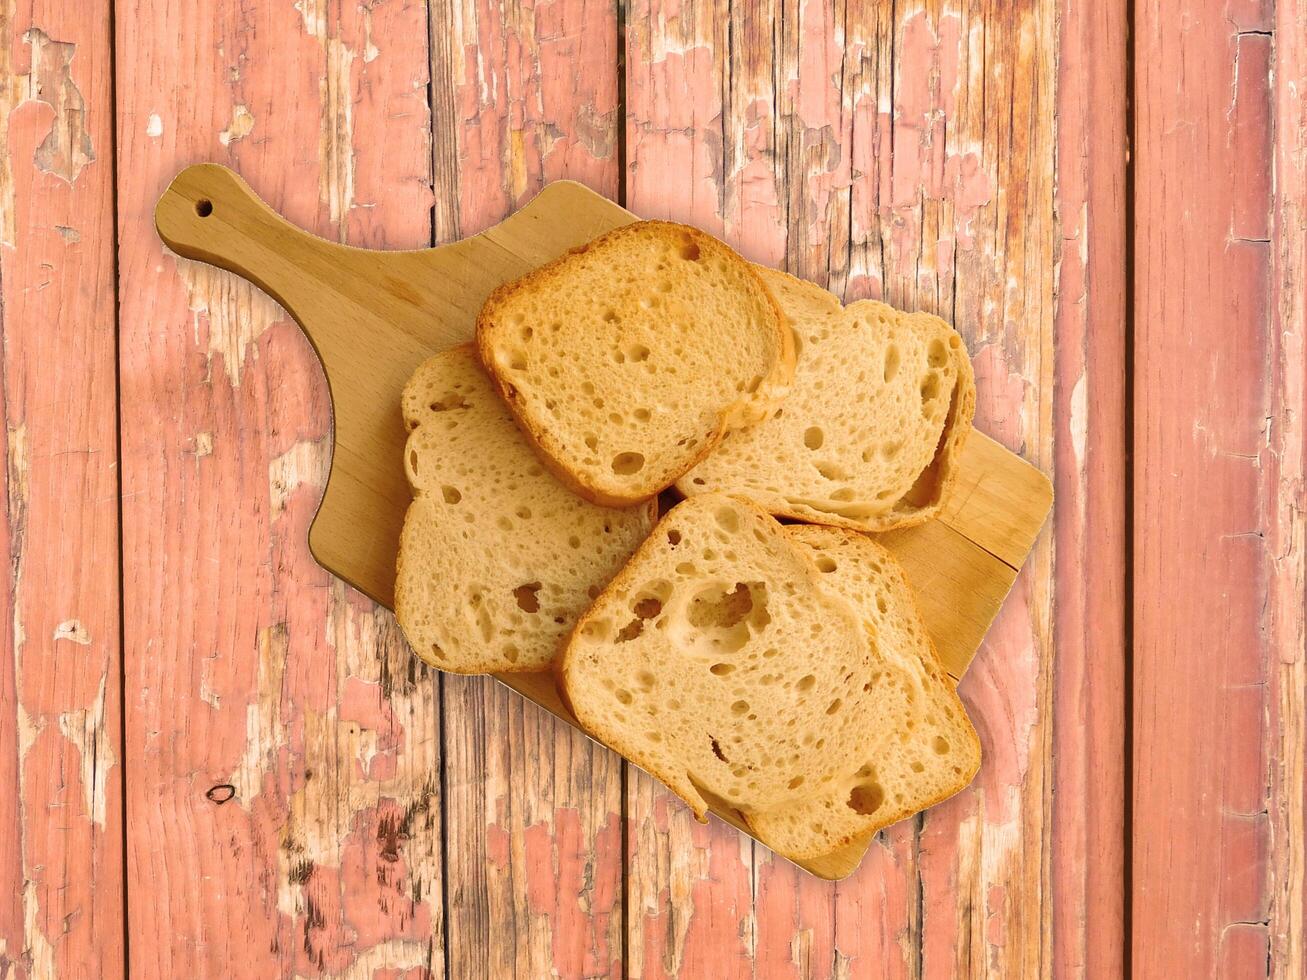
(751, 645)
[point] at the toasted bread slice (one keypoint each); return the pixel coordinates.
(716, 661)
(870, 435)
(626, 360)
(497, 558)
(916, 744)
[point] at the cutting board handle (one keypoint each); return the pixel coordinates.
(209, 214)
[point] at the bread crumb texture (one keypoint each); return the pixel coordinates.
(625, 360)
(782, 673)
(869, 437)
(497, 558)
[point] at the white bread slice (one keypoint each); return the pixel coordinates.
(626, 360)
(916, 744)
(497, 559)
(870, 435)
(716, 661)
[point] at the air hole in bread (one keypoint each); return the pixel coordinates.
(591, 441)
(413, 460)
(844, 495)
(832, 472)
(825, 563)
(698, 481)
(866, 798)
(813, 437)
(646, 680)
(940, 744)
(796, 782)
(892, 361)
(881, 605)
(504, 523)
(917, 767)
(592, 591)
(625, 464)
(740, 707)
(834, 706)
(523, 512)
(451, 494)
(929, 388)
(527, 597)
(642, 415)
(610, 316)
(937, 355)
(689, 250)
(637, 352)
(511, 653)
(673, 537)
(448, 403)
(526, 333)
(436, 652)
(727, 519)
(624, 695)
(721, 670)
(770, 653)
(517, 360)
(805, 682)
(717, 750)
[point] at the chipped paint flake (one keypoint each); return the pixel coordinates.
(265, 735)
(85, 728)
(154, 126)
(1079, 421)
(233, 312)
(72, 629)
(303, 464)
(241, 125)
(38, 953)
(201, 445)
(66, 150)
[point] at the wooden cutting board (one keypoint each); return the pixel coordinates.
(374, 316)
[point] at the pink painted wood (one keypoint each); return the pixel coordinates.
(61, 909)
(1089, 699)
(284, 810)
(302, 798)
(533, 809)
(1207, 389)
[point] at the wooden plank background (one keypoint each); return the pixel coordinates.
(215, 760)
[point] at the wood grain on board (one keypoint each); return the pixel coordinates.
(522, 96)
(902, 152)
(1089, 700)
(284, 810)
(1206, 392)
(61, 901)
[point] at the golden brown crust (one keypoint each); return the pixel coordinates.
(744, 411)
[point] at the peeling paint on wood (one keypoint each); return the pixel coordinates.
(902, 152)
(286, 815)
(61, 856)
(521, 96)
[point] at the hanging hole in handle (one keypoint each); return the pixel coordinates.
(204, 207)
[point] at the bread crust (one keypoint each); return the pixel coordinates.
(747, 410)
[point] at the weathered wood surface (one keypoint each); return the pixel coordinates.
(1217, 388)
(523, 96)
(297, 802)
(901, 152)
(1089, 436)
(284, 808)
(61, 861)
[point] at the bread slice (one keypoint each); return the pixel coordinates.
(870, 435)
(625, 360)
(916, 744)
(497, 559)
(716, 661)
